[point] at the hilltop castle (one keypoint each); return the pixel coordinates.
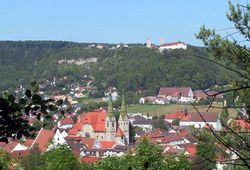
(102, 125)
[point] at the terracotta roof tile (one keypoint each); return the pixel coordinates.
(168, 91)
(90, 159)
(43, 138)
(88, 142)
(66, 121)
(96, 119)
(107, 144)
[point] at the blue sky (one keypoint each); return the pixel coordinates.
(110, 21)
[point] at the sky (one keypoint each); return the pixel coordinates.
(111, 21)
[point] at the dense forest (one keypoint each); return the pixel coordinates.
(131, 68)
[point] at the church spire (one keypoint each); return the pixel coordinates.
(123, 111)
(110, 108)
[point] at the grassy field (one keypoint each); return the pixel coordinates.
(164, 109)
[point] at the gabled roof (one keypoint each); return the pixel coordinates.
(243, 124)
(193, 117)
(10, 146)
(28, 142)
(175, 115)
(96, 119)
(43, 138)
(119, 132)
(107, 144)
(189, 147)
(88, 142)
(66, 121)
(173, 91)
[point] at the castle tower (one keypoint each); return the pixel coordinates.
(162, 41)
(123, 120)
(110, 123)
(149, 43)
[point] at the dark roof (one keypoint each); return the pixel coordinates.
(142, 121)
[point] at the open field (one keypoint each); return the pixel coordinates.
(170, 108)
(89, 100)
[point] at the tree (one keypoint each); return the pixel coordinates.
(176, 122)
(60, 157)
(206, 149)
(146, 156)
(32, 161)
(13, 110)
(230, 51)
(5, 160)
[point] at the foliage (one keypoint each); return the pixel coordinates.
(13, 110)
(59, 158)
(229, 51)
(32, 161)
(122, 68)
(5, 160)
(176, 122)
(146, 156)
(206, 149)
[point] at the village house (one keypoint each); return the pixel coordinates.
(176, 94)
(194, 119)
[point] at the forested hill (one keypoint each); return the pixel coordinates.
(132, 68)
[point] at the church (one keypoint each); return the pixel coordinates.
(102, 125)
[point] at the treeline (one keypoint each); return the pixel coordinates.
(130, 68)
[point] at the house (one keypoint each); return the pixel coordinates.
(172, 46)
(66, 123)
(102, 125)
(43, 139)
(195, 119)
(145, 124)
(59, 137)
(200, 94)
(177, 94)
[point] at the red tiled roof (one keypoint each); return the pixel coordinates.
(119, 132)
(201, 94)
(176, 115)
(88, 142)
(242, 123)
(28, 142)
(89, 159)
(10, 146)
(190, 148)
(96, 119)
(107, 144)
(42, 139)
(172, 44)
(194, 117)
(168, 91)
(66, 121)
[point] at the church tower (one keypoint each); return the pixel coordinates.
(110, 122)
(123, 120)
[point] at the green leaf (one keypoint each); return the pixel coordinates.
(35, 86)
(11, 98)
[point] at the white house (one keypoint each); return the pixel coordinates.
(195, 119)
(176, 94)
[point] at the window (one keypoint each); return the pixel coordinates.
(107, 124)
(113, 124)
